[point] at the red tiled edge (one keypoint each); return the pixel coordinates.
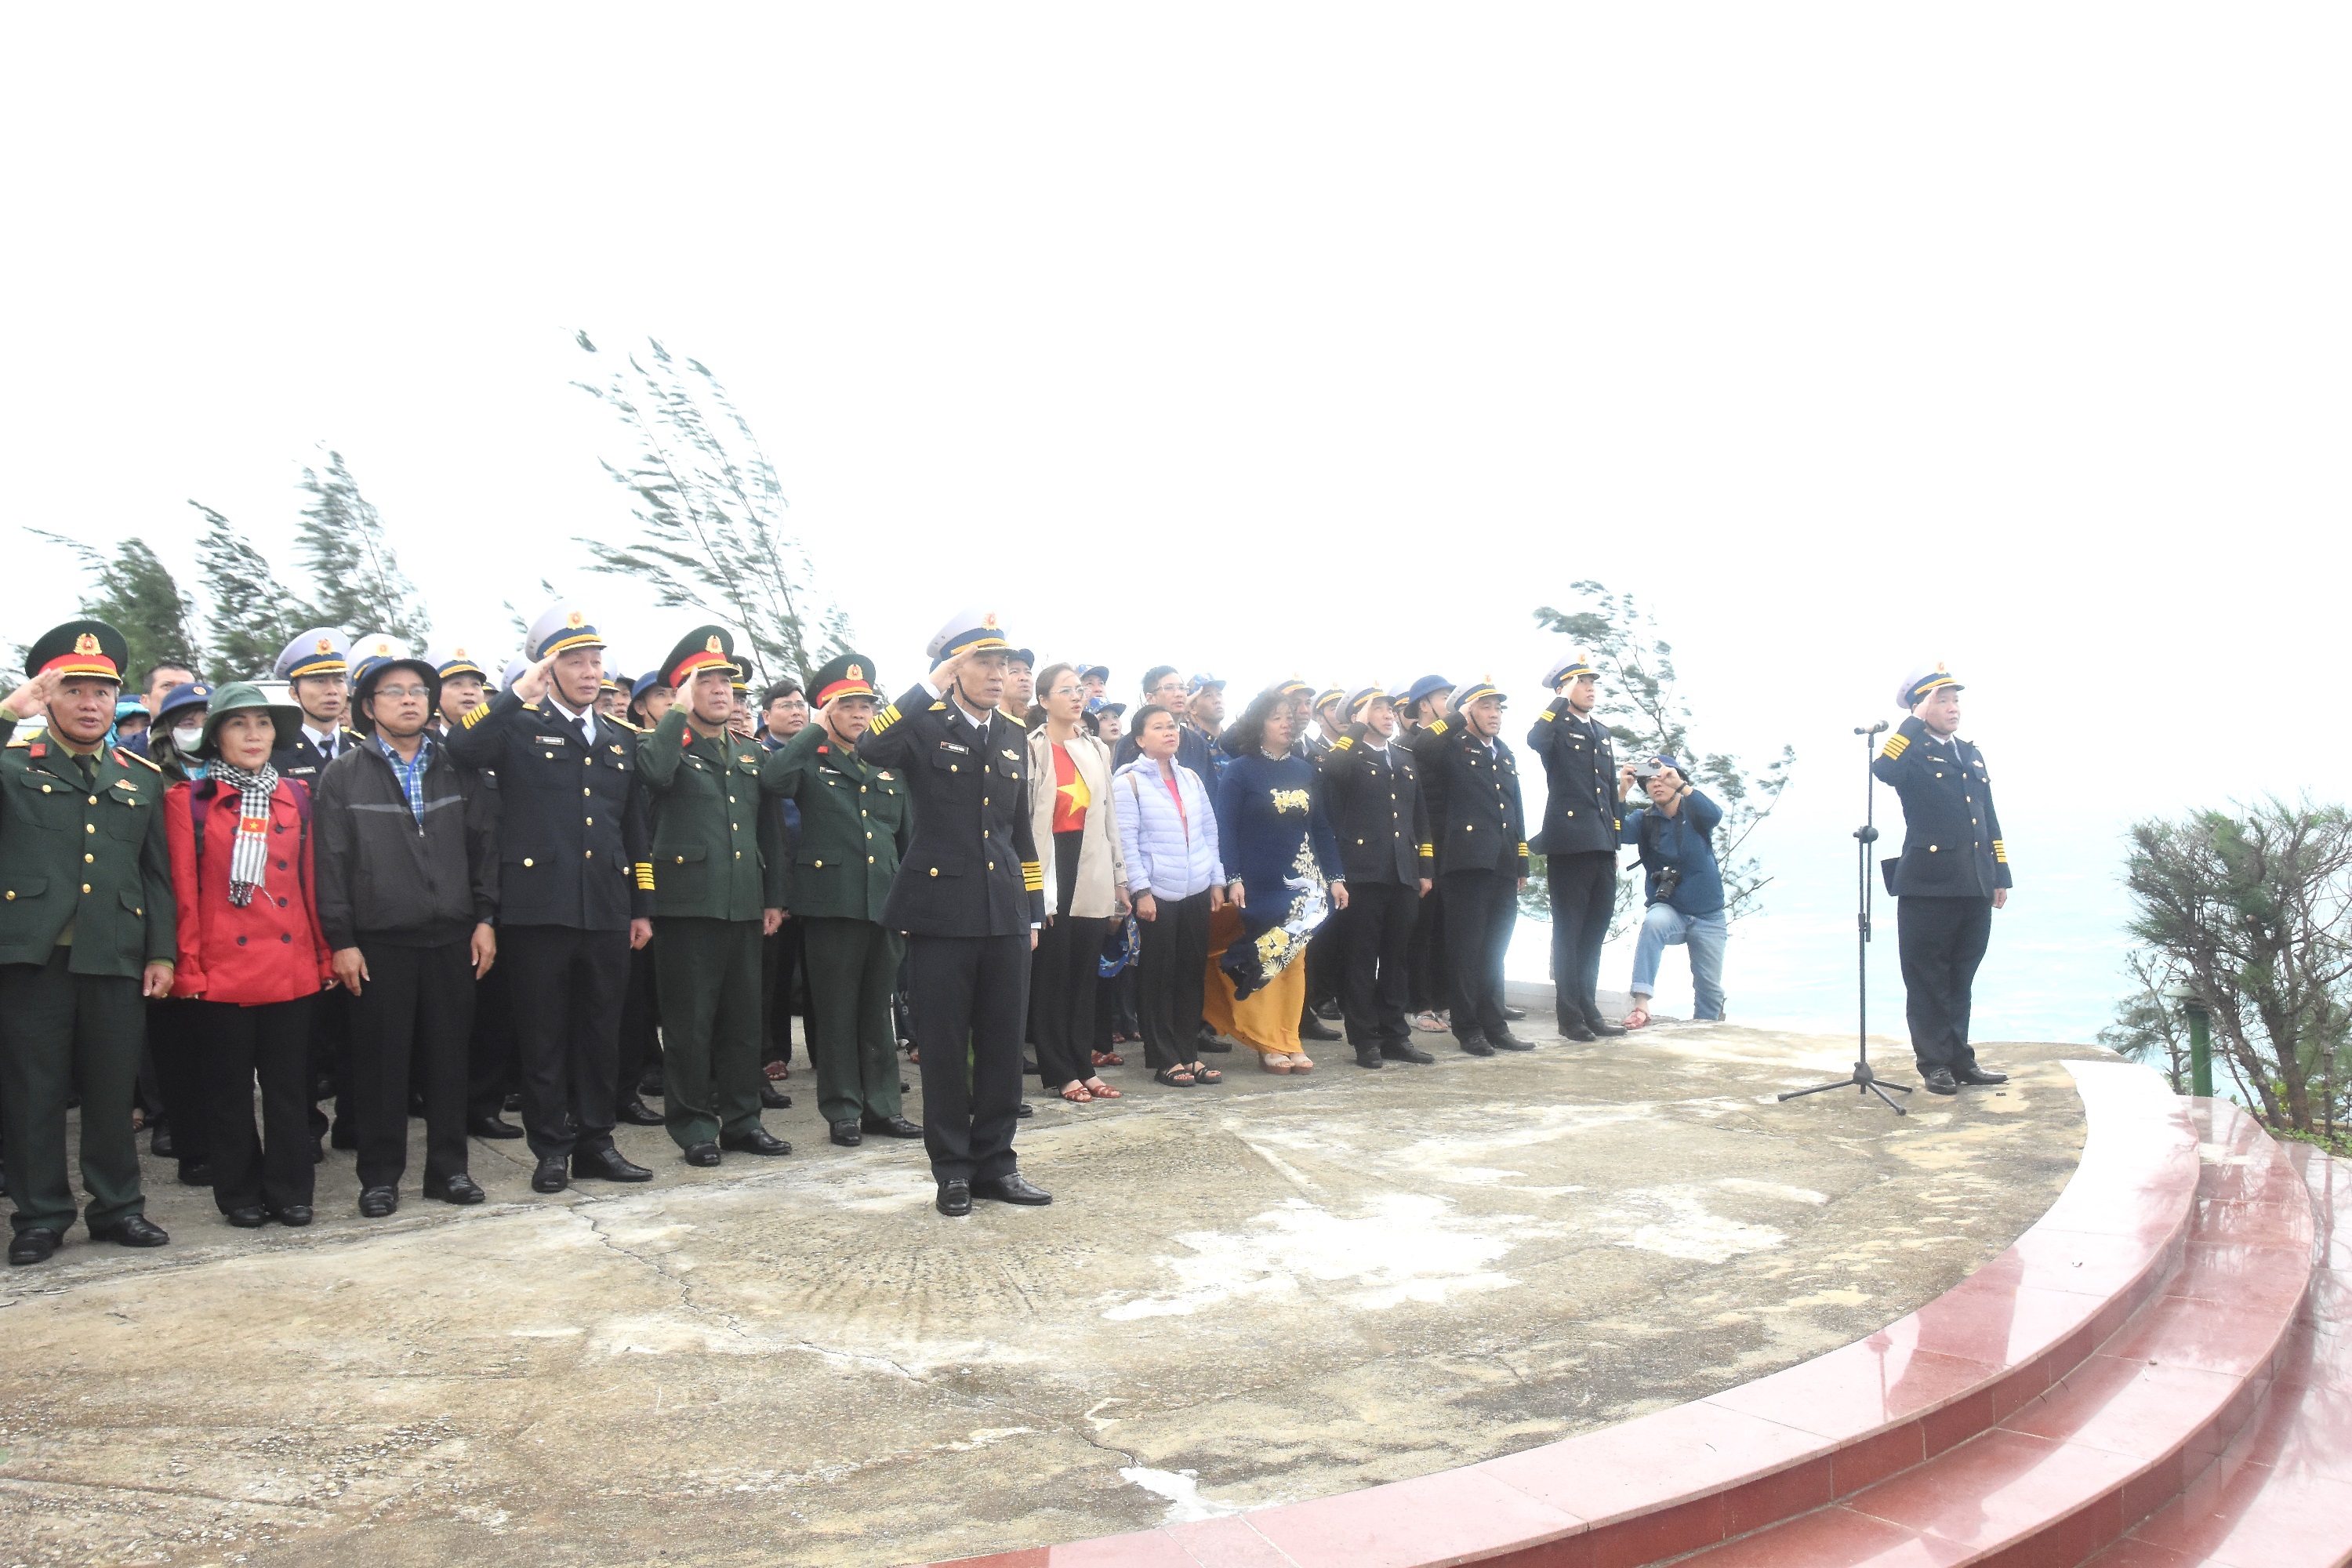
(1703, 1472)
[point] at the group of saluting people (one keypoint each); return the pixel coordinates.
(386, 894)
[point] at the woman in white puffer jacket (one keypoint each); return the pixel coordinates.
(1168, 829)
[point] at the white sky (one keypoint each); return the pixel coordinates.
(1270, 339)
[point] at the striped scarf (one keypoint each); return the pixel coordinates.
(248, 862)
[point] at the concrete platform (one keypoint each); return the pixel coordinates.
(1270, 1291)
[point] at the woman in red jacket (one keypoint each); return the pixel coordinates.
(251, 952)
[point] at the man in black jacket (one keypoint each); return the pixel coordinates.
(1579, 842)
(408, 879)
(1953, 873)
(970, 896)
(1480, 833)
(575, 890)
(1377, 810)
(316, 667)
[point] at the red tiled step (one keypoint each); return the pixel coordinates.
(2123, 1433)
(1702, 1473)
(2281, 1495)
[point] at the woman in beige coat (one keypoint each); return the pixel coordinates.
(1085, 885)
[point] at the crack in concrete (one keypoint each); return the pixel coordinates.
(585, 1214)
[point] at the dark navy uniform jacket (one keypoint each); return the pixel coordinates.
(971, 868)
(1951, 835)
(1474, 814)
(1580, 781)
(1376, 808)
(304, 760)
(576, 841)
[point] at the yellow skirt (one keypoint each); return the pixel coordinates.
(1266, 1020)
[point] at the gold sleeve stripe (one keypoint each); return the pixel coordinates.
(1523, 851)
(2000, 851)
(883, 719)
(1438, 727)
(474, 715)
(1547, 715)
(1343, 742)
(1895, 746)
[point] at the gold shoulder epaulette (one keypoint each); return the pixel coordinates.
(939, 707)
(474, 715)
(355, 734)
(26, 743)
(122, 756)
(1343, 742)
(623, 723)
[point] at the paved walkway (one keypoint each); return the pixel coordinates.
(1273, 1291)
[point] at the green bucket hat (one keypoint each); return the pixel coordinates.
(244, 697)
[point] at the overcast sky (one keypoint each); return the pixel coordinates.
(1268, 339)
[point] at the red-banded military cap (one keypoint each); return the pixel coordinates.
(850, 675)
(704, 647)
(88, 649)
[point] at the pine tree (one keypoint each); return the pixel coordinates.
(134, 592)
(359, 581)
(711, 512)
(253, 616)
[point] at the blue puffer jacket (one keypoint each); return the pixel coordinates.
(1168, 855)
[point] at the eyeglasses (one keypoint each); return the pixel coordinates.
(1065, 691)
(416, 692)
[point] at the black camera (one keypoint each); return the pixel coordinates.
(1668, 879)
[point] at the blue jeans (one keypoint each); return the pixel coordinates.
(1664, 926)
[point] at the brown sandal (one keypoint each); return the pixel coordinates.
(1076, 1095)
(1102, 1091)
(1109, 1060)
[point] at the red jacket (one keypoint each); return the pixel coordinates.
(270, 951)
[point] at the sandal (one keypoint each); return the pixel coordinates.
(1202, 1074)
(1273, 1062)
(1428, 1022)
(1638, 1018)
(1109, 1060)
(1076, 1095)
(1301, 1064)
(1175, 1078)
(1102, 1091)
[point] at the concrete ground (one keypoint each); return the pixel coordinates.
(1266, 1291)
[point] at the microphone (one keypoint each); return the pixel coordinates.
(1873, 730)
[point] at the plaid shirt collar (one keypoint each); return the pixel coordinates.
(411, 775)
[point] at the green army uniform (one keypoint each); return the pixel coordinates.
(85, 906)
(855, 825)
(718, 862)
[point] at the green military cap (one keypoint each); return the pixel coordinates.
(848, 675)
(80, 649)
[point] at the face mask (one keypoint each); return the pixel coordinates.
(186, 738)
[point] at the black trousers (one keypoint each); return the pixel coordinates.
(1327, 959)
(1584, 896)
(1115, 1007)
(331, 1054)
(176, 1047)
(416, 1007)
(1942, 941)
(490, 1043)
(1169, 984)
(238, 1045)
(1481, 908)
(1429, 973)
(640, 1024)
(1374, 989)
(970, 995)
(63, 1034)
(780, 957)
(569, 985)
(1064, 973)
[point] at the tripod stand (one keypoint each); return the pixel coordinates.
(1862, 1080)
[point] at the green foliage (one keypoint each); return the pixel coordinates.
(252, 614)
(2150, 1028)
(2253, 908)
(132, 591)
(711, 513)
(1642, 705)
(341, 541)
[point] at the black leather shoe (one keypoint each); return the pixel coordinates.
(132, 1230)
(1975, 1074)
(1210, 1043)
(1514, 1014)
(1311, 1028)
(702, 1155)
(607, 1164)
(459, 1189)
(252, 1218)
(649, 1083)
(1012, 1189)
(636, 1113)
(1939, 1081)
(511, 1102)
(294, 1214)
(1575, 1029)
(847, 1134)
(759, 1141)
(1024, 1110)
(196, 1173)
(1507, 1041)
(1370, 1057)
(491, 1127)
(160, 1144)
(954, 1201)
(343, 1135)
(1406, 1051)
(1330, 1011)
(1603, 1027)
(1028, 1063)
(772, 1097)
(890, 1127)
(377, 1202)
(318, 1151)
(1475, 1044)
(548, 1175)
(36, 1242)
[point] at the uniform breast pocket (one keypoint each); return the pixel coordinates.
(681, 871)
(44, 803)
(127, 819)
(948, 762)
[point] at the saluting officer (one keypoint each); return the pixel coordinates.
(717, 881)
(574, 893)
(1953, 873)
(86, 930)
(854, 826)
(1382, 822)
(1579, 842)
(1482, 858)
(970, 896)
(1422, 707)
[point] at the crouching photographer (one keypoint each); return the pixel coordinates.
(1681, 883)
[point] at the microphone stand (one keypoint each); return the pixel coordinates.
(1862, 1080)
